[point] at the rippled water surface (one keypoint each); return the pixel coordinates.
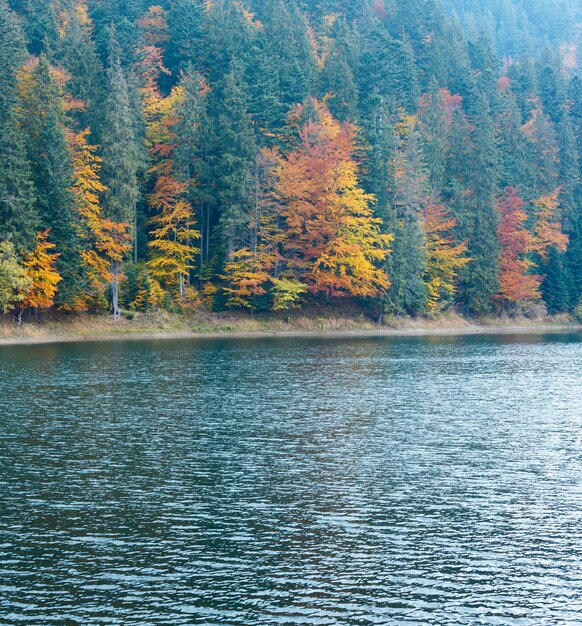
(287, 481)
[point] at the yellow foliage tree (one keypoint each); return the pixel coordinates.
(247, 277)
(249, 270)
(547, 229)
(174, 232)
(444, 258)
(105, 242)
(40, 267)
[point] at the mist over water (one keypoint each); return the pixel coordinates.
(289, 481)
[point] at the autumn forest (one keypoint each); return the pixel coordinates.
(410, 156)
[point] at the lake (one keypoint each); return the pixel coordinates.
(432, 480)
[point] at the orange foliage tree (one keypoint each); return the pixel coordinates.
(154, 26)
(40, 267)
(444, 258)
(174, 231)
(331, 241)
(547, 229)
(105, 242)
(173, 222)
(516, 284)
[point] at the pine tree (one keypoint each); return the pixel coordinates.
(120, 149)
(18, 217)
(187, 24)
(480, 278)
(53, 174)
(231, 156)
(407, 265)
(76, 53)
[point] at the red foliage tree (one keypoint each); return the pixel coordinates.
(516, 283)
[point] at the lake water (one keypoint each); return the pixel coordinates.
(287, 481)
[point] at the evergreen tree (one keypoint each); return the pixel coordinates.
(18, 215)
(480, 277)
(338, 86)
(555, 286)
(53, 176)
(41, 24)
(121, 151)
(187, 24)
(263, 79)
(286, 30)
(407, 265)
(76, 52)
(231, 153)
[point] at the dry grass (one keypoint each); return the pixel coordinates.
(318, 320)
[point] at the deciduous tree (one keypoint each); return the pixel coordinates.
(40, 265)
(516, 282)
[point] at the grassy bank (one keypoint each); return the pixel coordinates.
(316, 322)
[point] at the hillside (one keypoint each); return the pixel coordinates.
(409, 157)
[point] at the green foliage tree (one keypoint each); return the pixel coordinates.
(121, 150)
(18, 215)
(53, 175)
(14, 281)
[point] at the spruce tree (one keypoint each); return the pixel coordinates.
(231, 149)
(266, 107)
(120, 150)
(187, 24)
(18, 217)
(337, 83)
(286, 29)
(76, 52)
(480, 277)
(555, 286)
(53, 176)
(407, 263)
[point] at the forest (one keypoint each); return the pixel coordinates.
(410, 156)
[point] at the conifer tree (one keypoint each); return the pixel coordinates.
(187, 24)
(18, 216)
(76, 52)
(480, 277)
(231, 155)
(408, 263)
(43, 104)
(120, 149)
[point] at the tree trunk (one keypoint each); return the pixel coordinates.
(115, 291)
(135, 236)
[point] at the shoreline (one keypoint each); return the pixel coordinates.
(379, 332)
